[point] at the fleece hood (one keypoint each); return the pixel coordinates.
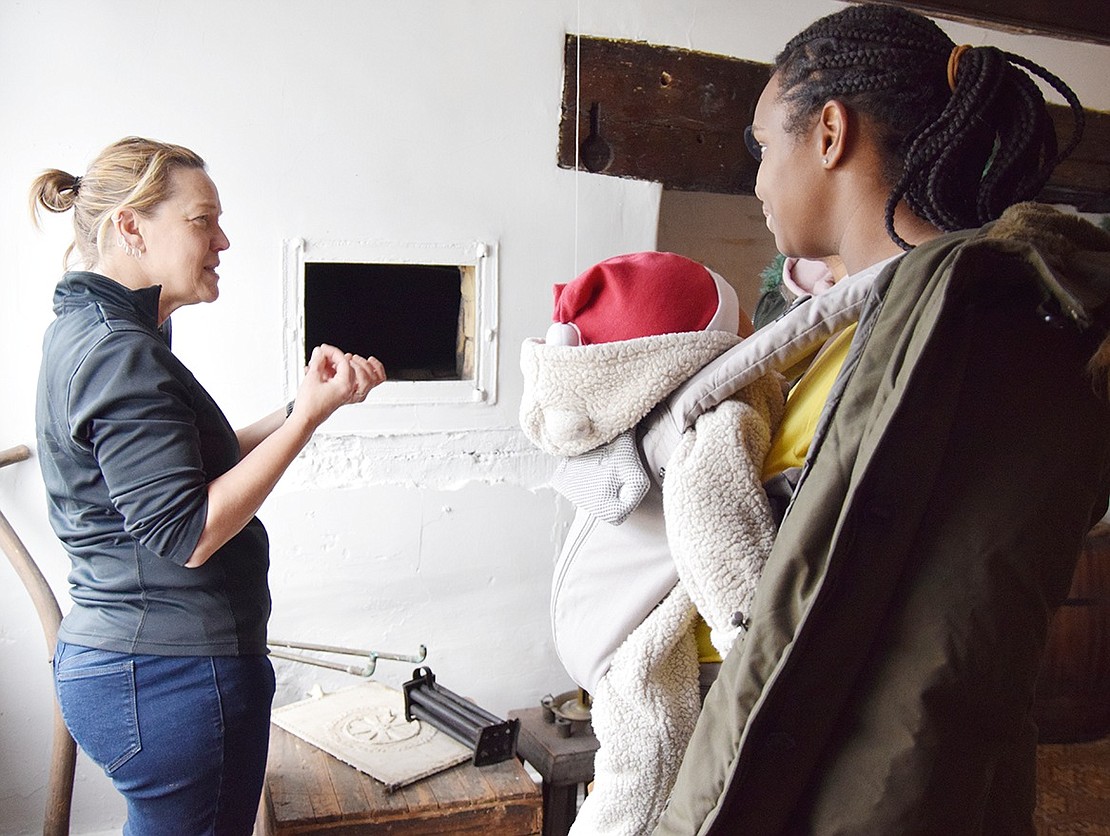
(579, 397)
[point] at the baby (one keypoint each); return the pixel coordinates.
(646, 554)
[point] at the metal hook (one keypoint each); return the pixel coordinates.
(596, 152)
(367, 670)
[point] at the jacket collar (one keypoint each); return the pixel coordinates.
(79, 288)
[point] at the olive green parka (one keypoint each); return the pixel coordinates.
(886, 682)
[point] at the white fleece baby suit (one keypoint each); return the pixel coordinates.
(718, 527)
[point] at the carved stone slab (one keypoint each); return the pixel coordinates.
(364, 726)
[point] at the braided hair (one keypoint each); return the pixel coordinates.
(958, 155)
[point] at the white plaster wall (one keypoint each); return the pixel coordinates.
(417, 121)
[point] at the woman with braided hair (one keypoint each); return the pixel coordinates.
(884, 684)
(957, 134)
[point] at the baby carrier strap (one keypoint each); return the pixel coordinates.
(777, 347)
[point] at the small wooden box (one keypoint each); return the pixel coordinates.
(309, 791)
(563, 763)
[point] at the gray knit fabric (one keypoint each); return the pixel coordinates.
(608, 481)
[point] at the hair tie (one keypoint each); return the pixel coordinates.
(76, 184)
(954, 64)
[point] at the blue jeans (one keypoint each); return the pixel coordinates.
(183, 738)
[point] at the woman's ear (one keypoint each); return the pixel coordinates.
(126, 225)
(832, 132)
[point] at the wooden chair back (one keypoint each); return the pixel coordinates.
(63, 756)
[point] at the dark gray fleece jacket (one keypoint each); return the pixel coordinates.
(128, 441)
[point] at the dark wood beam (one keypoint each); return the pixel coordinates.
(677, 117)
(1083, 179)
(1080, 20)
(661, 113)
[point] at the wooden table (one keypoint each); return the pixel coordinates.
(1073, 788)
(563, 763)
(309, 791)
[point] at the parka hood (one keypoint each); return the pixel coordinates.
(1073, 256)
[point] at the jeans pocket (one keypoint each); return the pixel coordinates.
(97, 701)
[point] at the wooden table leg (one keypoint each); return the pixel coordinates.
(560, 806)
(564, 763)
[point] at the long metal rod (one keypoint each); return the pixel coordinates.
(367, 670)
(356, 670)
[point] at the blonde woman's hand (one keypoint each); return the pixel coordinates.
(333, 378)
(369, 372)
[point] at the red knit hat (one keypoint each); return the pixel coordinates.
(641, 295)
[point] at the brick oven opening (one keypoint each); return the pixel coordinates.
(417, 319)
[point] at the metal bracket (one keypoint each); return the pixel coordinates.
(492, 739)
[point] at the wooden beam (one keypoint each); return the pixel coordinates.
(1083, 179)
(1079, 20)
(677, 117)
(661, 113)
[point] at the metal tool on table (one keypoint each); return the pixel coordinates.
(493, 739)
(365, 670)
(569, 711)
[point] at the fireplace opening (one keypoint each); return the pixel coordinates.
(427, 310)
(417, 319)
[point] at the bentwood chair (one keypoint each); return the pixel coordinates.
(63, 756)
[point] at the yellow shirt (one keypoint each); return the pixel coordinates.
(790, 443)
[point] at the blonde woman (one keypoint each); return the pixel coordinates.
(161, 668)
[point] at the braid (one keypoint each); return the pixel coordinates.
(957, 157)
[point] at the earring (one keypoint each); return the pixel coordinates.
(131, 252)
(824, 161)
